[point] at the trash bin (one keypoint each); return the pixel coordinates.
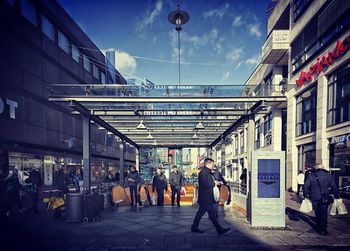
(75, 207)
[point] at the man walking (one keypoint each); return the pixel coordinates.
(176, 181)
(133, 182)
(316, 187)
(159, 184)
(206, 198)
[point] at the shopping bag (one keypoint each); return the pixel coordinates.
(216, 193)
(333, 208)
(306, 206)
(341, 207)
(183, 191)
(153, 199)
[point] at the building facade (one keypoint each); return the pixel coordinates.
(306, 57)
(40, 46)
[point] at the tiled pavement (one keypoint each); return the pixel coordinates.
(169, 229)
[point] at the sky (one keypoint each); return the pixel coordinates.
(221, 43)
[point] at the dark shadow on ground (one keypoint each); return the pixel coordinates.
(295, 215)
(153, 228)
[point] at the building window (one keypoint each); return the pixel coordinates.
(339, 96)
(86, 63)
(29, 12)
(95, 71)
(47, 28)
(306, 111)
(257, 134)
(299, 7)
(103, 77)
(75, 53)
(268, 129)
(63, 42)
(236, 144)
(306, 156)
(242, 141)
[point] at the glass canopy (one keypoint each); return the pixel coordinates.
(169, 115)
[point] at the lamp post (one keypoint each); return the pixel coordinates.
(178, 18)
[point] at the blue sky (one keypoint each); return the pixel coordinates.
(220, 44)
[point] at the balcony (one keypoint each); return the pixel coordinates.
(275, 46)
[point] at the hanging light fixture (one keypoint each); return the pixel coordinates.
(178, 18)
(195, 136)
(199, 126)
(154, 143)
(141, 126)
(149, 136)
(109, 133)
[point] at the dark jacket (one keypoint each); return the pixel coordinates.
(312, 189)
(136, 177)
(218, 176)
(176, 180)
(60, 181)
(12, 183)
(206, 184)
(159, 182)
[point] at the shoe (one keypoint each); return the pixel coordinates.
(196, 230)
(223, 230)
(178, 205)
(324, 233)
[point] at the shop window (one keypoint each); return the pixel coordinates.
(236, 145)
(306, 156)
(28, 11)
(47, 28)
(86, 63)
(306, 111)
(300, 7)
(95, 71)
(63, 42)
(75, 53)
(339, 96)
(257, 134)
(268, 129)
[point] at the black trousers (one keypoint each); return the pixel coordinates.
(212, 216)
(133, 195)
(160, 197)
(35, 201)
(299, 187)
(174, 192)
(321, 213)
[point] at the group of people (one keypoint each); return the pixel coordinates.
(13, 189)
(63, 180)
(317, 184)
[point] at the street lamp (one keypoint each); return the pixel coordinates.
(178, 18)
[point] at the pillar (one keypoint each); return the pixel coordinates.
(137, 160)
(121, 160)
(86, 153)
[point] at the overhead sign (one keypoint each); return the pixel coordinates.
(8, 108)
(340, 139)
(321, 63)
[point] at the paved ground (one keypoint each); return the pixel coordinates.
(169, 229)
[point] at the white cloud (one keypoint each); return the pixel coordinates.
(237, 21)
(219, 12)
(150, 16)
(253, 60)
(234, 54)
(254, 30)
(125, 62)
(218, 48)
(225, 77)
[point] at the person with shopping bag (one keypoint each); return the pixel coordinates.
(338, 207)
(159, 184)
(176, 182)
(317, 188)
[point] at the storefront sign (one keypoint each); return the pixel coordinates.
(8, 107)
(340, 139)
(268, 178)
(322, 63)
(168, 113)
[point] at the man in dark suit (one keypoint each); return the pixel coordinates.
(319, 182)
(206, 198)
(159, 184)
(176, 181)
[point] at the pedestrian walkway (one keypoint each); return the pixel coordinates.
(168, 228)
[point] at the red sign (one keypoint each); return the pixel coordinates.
(324, 61)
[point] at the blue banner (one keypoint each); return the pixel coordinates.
(268, 178)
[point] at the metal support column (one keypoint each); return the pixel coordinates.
(137, 160)
(86, 153)
(121, 160)
(250, 149)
